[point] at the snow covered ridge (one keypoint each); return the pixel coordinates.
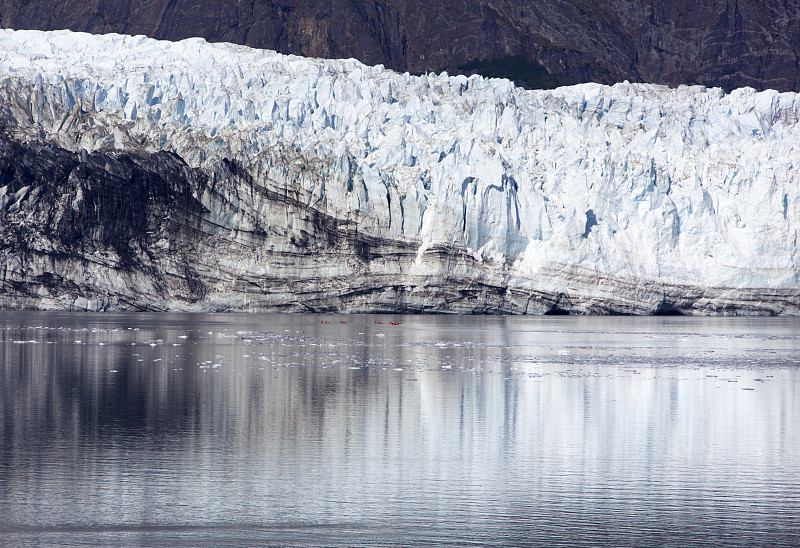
(632, 198)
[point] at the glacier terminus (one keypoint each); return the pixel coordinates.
(151, 175)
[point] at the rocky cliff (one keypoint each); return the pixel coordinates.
(139, 174)
(725, 43)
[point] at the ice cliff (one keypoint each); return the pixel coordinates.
(144, 174)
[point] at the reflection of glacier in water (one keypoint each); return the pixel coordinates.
(228, 429)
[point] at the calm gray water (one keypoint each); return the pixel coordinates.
(241, 430)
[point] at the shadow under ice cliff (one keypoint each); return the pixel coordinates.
(147, 175)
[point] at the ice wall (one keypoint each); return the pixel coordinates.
(632, 198)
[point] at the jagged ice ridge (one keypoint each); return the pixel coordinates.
(307, 184)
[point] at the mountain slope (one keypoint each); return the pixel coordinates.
(143, 174)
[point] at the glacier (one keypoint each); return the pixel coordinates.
(153, 175)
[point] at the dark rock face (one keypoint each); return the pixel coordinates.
(725, 43)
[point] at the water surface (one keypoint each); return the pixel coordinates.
(227, 430)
